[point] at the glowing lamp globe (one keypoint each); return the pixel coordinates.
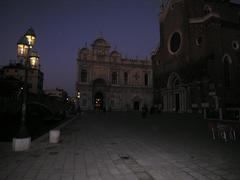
(31, 37)
(34, 59)
(22, 47)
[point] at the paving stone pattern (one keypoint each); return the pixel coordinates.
(123, 146)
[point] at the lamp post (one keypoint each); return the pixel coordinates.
(34, 59)
(23, 140)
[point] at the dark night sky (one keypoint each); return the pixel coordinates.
(63, 26)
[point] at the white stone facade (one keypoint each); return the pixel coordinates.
(106, 80)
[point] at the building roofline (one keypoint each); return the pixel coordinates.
(203, 18)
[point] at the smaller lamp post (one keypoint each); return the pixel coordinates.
(23, 140)
(34, 60)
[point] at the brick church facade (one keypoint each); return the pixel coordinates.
(197, 64)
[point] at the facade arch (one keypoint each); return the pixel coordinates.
(99, 89)
(174, 96)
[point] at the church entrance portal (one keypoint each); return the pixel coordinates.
(98, 100)
(136, 105)
(99, 93)
(175, 95)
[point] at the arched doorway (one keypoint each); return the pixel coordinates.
(136, 106)
(99, 92)
(98, 99)
(136, 103)
(175, 95)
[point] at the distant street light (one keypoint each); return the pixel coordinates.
(78, 95)
(24, 51)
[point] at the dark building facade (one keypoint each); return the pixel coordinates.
(35, 75)
(197, 64)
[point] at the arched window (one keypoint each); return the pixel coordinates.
(83, 75)
(125, 78)
(114, 78)
(174, 80)
(146, 79)
(226, 70)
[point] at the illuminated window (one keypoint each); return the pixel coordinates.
(34, 61)
(125, 78)
(22, 50)
(31, 40)
(114, 78)
(83, 75)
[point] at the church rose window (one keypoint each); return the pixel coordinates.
(175, 42)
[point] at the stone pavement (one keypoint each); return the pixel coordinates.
(123, 146)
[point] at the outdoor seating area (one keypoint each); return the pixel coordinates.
(224, 130)
(225, 126)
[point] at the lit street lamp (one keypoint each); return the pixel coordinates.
(34, 59)
(24, 46)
